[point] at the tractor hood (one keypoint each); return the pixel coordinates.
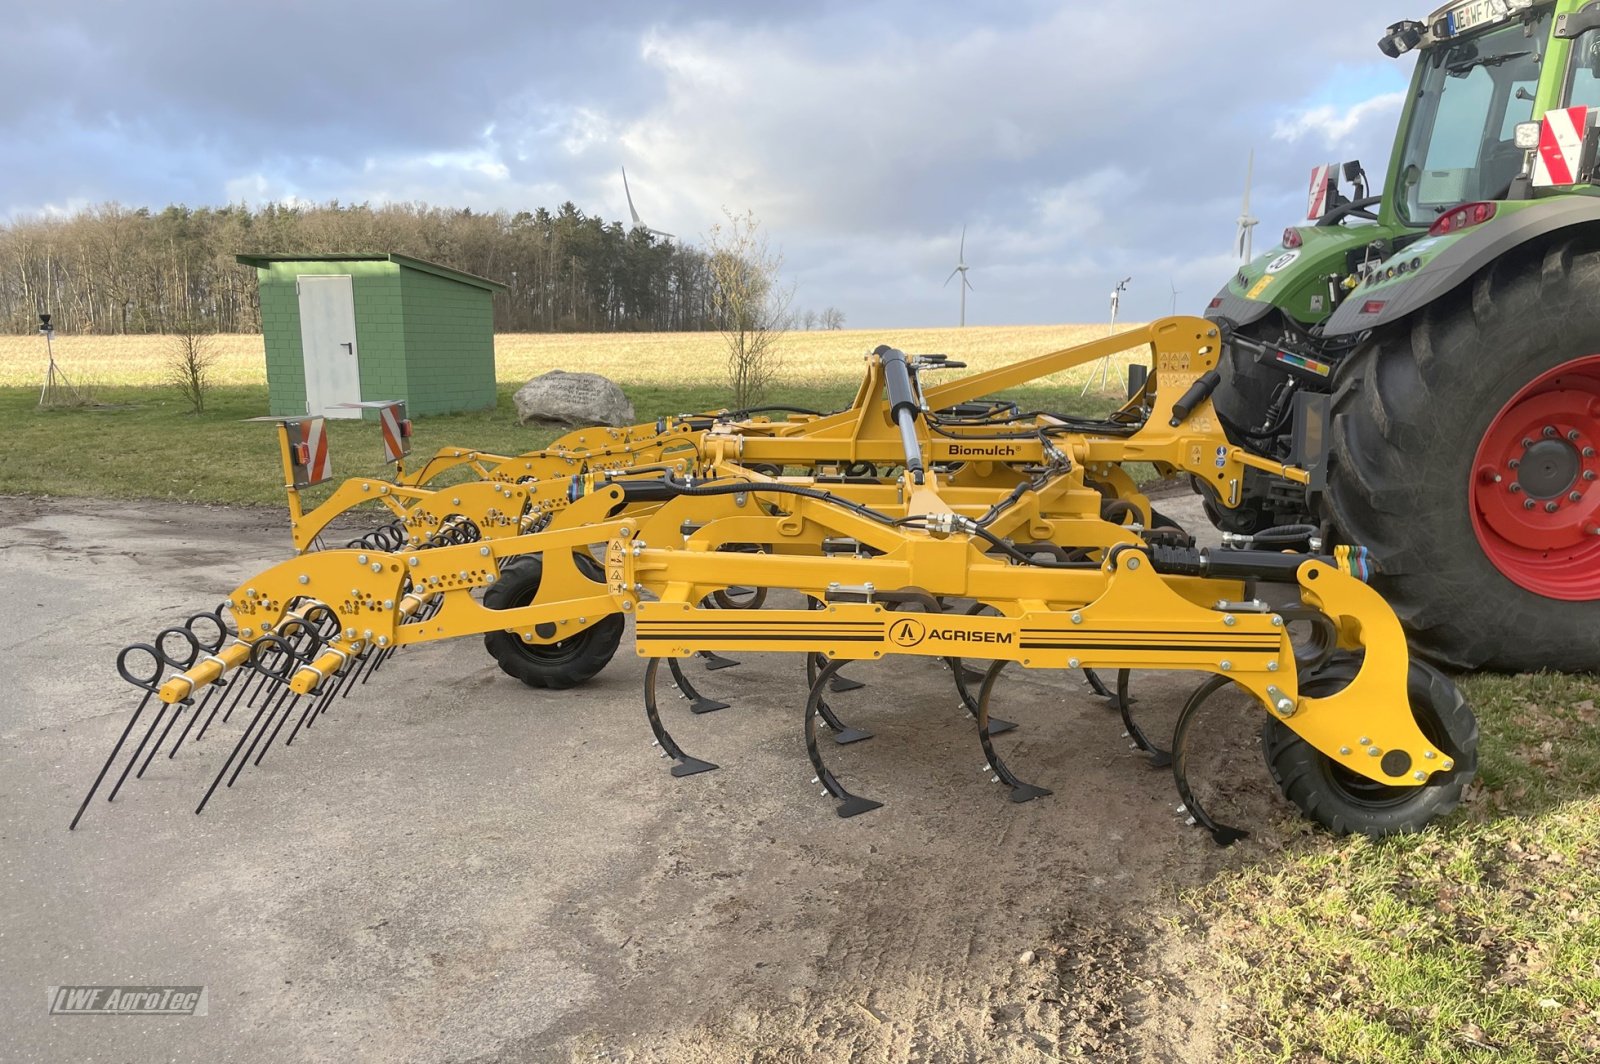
(1294, 277)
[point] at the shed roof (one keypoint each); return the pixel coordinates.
(421, 265)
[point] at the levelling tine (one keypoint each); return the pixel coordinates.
(363, 663)
(241, 685)
(1020, 791)
(115, 750)
(177, 711)
(289, 712)
(849, 804)
(698, 703)
(219, 684)
(1222, 834)
(1159, 758)
(843, 734)
(273, 712)
(154, 723)
(223, 771)
(686, 765)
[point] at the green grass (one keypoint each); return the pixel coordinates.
(1475, 941)
(143, 442)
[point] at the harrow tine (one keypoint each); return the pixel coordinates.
(698, 703)
(219, 684)
(685, 765)
(289, 712)
(285, 662)
(150, 686)
(849, 804)
(177, 711)
(1020, 791)
(843, 734)
(1222, 834)
(242, 685)
(363, 666)
(231, 755)
(1159, 758)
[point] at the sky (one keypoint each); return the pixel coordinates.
(1078, 142)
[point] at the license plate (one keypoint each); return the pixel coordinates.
(1470, 16)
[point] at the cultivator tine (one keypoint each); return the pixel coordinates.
(843, 734)
(1159, 758)
(1222, 834)
(849, 804)
(1020, 791)
(714, 661)
(1098, 686)
(685, 765)
(964, 678)
(698, 703)
(840, 684)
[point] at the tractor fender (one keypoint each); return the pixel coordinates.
(1459, 262)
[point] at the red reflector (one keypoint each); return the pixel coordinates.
(1215, 303)
(1373, 306)
(1292, 238)
(1463, 217)
(302, 454)
(405, 428)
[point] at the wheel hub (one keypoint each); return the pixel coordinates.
(1536, 488)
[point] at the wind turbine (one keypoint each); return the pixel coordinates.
(1247, 224)
(1175, 293)
(961, 268)
(638, 223)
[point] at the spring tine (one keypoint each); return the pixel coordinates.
(177, 711)
(698, 703)
(218, 685)
(223, 771)
(154, 723)
(686, 765)
(274, 737)
(849, 804)
(1020, 791)
(273, 712)
(115, 750)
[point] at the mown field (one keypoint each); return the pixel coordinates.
(1476, 941)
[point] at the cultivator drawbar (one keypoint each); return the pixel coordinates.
(923, 520)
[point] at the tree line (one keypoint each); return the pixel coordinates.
(112, 269)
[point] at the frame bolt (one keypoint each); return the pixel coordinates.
(1272, 666)
(304, 579)
(1227, 666)
(413, 560)
(377, 567)
(1448, 765)
(1277, 622)
(1419, 775)
(1077, 618)
(1373, 751)
(1072, 663)
(483, 551)
(1364, 741)
(1230, 620)
(1285, 707)
(1344, 751)
(383, 640)
(1133, 563)
(361, 559)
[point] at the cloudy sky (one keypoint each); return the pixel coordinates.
(1079, 142)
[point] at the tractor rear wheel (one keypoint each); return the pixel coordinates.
(560, 665)
(1465, 445)
(1346, 802)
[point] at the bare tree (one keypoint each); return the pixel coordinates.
(833, 318)
(809, 320)
(749, 306)
(190, 356)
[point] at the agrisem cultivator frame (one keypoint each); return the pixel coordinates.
(933, 521)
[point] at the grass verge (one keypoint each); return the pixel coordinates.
(1476, 941)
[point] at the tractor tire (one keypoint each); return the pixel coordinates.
(560, 665)
(1350, 804)
(1499, 379)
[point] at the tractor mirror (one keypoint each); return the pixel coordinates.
(1352, 171)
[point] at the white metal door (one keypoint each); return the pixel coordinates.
(328, 339)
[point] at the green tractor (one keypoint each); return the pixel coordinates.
(1434, 352)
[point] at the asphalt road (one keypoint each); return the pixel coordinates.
(453, 867)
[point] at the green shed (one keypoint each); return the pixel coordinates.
(352, 328)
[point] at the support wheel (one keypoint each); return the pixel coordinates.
(1346, 803)
(560, 665)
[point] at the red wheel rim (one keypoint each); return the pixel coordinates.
(1536, 485)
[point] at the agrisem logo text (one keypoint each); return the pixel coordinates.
(909, 632)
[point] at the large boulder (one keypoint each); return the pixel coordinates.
(576, 399)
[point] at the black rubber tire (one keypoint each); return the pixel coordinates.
(1411, 406)
(1349, 804)
(557, 666)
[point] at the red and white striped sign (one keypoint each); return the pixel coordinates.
(1321, 177)
(308, 448)
(1561, 146)
(396, 431)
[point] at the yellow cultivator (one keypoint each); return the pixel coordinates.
(926, 520)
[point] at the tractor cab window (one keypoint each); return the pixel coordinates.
(1471, 96)
(1583, 82)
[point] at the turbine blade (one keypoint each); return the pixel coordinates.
(963, 255)
(625, 192)
(952, 276)
(968, 283)
(1249, 179)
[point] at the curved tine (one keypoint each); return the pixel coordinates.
(969, 701)
(698, 703)
(185, 657)
(1098, 686)
(1020, 791)
(1159, 758)
(149, 685)
(849, 804)
(309, 650)
(843, 734)
(325, 621)
(1222, 834)
(685, 765)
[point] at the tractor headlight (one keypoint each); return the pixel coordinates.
(1527, 135)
